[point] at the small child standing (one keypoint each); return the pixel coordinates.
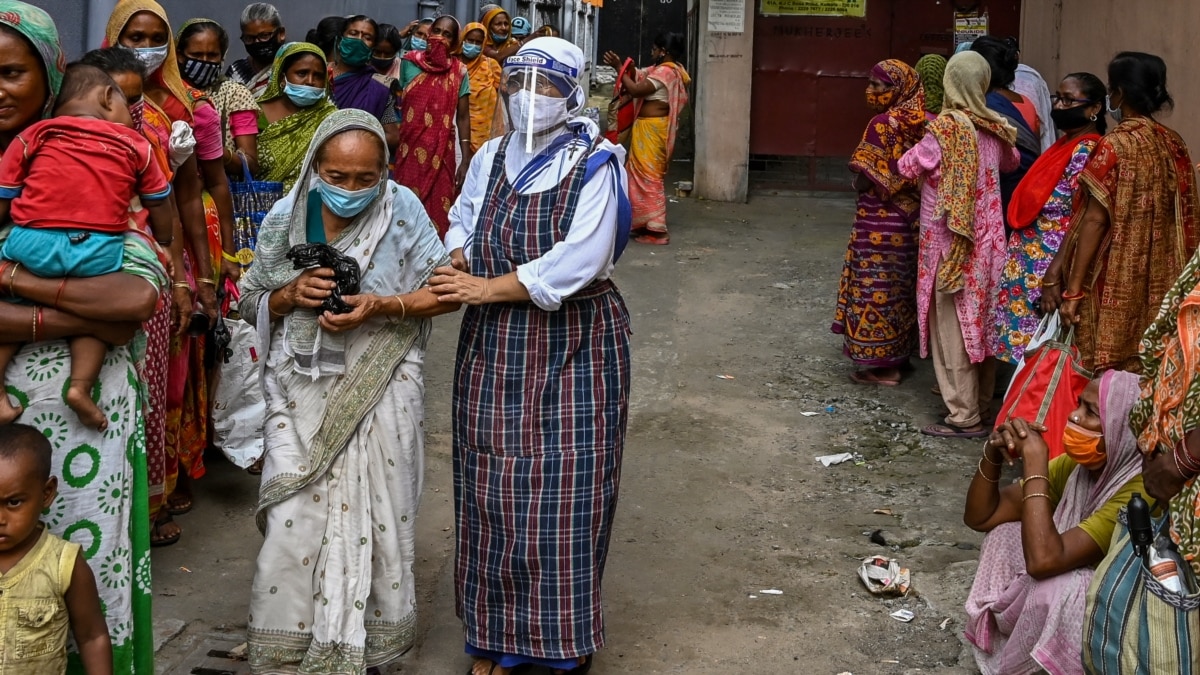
(67, 183)
(45, 583)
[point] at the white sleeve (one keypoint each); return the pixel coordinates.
(585, 254)
(469, 205)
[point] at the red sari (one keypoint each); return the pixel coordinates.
(187, 378)
(425, 158)
(156, 127)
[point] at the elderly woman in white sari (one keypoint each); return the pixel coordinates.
(334, 591)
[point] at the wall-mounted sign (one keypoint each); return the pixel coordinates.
(727, 16)
(969, 26)
(857, 8)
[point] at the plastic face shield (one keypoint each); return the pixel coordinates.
(544, 81)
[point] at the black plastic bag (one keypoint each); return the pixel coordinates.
(346, 273)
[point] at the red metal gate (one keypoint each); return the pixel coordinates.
(807, 110)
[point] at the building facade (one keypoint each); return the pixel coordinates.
(779, 92)
(1065, 36)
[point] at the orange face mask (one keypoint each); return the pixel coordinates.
(1083, 446)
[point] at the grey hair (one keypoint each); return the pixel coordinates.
(261, 11)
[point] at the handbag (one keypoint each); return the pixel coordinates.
(1047, 384)
(1132, 624)
(252, 199)
(239, 407)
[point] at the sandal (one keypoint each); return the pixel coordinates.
(652, 240)
(870, 377)
(180, 508)
(951, 431)
(158, 541)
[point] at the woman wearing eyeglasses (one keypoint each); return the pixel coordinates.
(1138, 225)
(1041, 209)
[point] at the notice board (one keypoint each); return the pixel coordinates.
(856, 8)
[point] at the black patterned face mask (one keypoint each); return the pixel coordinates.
(201, 74)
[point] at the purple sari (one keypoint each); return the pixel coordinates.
(364, 90)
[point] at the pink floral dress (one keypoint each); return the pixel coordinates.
(976, 303)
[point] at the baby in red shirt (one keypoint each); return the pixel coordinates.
(67, 183)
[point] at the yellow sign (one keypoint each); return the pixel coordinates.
(856, 8)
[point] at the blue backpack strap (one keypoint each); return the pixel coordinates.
(624, 209)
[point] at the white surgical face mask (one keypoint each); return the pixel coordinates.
(1116, 114)
(151, 57)
(548, 112)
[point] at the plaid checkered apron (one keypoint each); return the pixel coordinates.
(540, 410)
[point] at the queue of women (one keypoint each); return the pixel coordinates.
(970, 230)
(453, 166)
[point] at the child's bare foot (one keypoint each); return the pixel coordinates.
(8, 412)
(79, 398)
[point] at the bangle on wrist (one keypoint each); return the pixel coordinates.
(1036, 494)
(994, 481)
(1049, 284)
(208, 281)
(1033, 478)
(230, 257)
(1067, 295)
(989, 459)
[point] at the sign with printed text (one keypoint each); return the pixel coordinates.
(855, 8)
(969, 26)
(727, 16)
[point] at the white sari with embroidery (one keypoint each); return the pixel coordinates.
(334, 590)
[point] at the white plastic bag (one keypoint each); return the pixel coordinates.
(1046, 331)
(238, 408)
(182, 144)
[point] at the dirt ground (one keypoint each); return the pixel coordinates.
(721, 497)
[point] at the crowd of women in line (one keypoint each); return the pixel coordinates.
(361, 125)
(982, 208)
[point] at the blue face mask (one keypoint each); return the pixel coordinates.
(499, 39)
(418, 44)
(346, 203)
(471, 51)
(303, 95)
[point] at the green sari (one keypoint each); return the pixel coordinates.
(103, 491)
(282, 144)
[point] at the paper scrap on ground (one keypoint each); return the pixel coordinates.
(903, 615)
(884, 576)
(810, 414)
(830, 460)
(771, 591)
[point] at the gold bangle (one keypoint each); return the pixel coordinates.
(208, 281)
(1026, 480)
(1048, 284)
(1036, 494)
(34, 338)
(12, 277)
(181, 284)
(995, 481)
(403, 309)
(990, 461)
